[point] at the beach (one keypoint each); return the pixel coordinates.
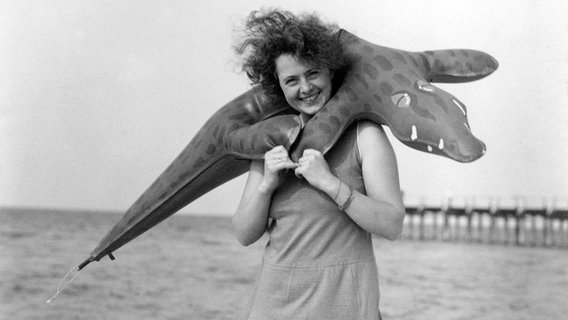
(192, 267)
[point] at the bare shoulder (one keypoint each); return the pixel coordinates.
(379, 165)
(372, 138)
(369, 127)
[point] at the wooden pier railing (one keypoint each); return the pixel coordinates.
(544, 225)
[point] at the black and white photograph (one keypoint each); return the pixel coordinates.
(271, 160)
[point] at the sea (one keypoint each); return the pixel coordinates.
(192, 267)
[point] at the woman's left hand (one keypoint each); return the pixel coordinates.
(314, 168)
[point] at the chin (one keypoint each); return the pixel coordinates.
(311, 109)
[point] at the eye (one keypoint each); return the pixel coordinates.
(291, 82)
(312, 74)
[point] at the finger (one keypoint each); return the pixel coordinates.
(280, 150)
(281, 163)
(306, 159)
(279, 157)
(289, 165)
(299, 172)
(276, 157)
(276, 151)
(273, 155)
(284, 154)
(310, 152)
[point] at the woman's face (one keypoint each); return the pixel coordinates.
(306, 88)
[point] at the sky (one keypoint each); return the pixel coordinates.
(98, 97)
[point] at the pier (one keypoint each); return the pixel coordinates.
(515, 222)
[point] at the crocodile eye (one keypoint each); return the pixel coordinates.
(425, 86)
(401, 99)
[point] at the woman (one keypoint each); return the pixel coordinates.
(320, 212)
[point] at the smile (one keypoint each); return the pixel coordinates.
(310, 98)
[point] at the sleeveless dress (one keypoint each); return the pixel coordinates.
(318, 263)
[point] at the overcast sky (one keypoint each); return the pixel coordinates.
(98, 97)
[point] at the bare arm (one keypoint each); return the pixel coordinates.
(251, 218)
(381, 211)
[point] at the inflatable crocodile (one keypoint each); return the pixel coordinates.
(388, 86)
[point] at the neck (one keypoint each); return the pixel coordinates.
(304, 117)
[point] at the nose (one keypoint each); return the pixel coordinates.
(305, 86)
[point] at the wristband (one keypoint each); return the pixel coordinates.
(338, 189)
(347, 203)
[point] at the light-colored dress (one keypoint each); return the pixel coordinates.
(318, 263)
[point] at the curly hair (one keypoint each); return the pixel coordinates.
(269, 35)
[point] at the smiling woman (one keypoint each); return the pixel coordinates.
(305, 88)
(267, 37)
(319, 212)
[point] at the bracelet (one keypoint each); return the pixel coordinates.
(347, 203)
(338, 189)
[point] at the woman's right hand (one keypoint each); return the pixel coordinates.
(275, 160)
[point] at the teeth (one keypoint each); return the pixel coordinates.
(310, 98)
(414, 134)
